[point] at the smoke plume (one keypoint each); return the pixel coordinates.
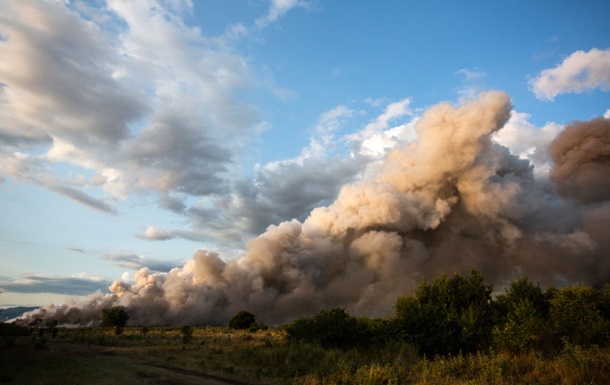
(451, 200)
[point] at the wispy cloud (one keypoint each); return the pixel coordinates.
(277, 8)
(84, 199)
(472, 75)
(81, 284)
(136, 262)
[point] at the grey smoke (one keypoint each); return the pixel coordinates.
(450, 200)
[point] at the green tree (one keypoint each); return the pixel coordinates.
(577, 313)
(520, 290)
(116, 317)
(448, 315)
(522, 322)
(242, 320)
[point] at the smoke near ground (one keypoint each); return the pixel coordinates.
(451, 200)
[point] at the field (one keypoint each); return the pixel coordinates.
(215, 355)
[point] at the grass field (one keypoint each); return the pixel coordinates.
(214, 355)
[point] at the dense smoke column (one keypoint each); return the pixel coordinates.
(581, 154)
(447, 202)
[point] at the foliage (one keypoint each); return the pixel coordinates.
(51, 323)
(523, 289)
(577, 314)
(242, 320)
(115, 317)
(187, 333)
(448, 315)
(266, 357)
(330, 329)
(523, 318)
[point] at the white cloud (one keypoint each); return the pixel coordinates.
(529, 142)
(291, 188)
(607, 114)
(377, 138)
(94, 96)
(579, 72)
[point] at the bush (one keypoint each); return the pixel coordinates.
(448, 315)
(242, 320)
(330, 329)
(116, 317)
(577, 313)
(187, 333)
(523, 318)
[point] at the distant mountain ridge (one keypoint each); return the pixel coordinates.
(14, 312)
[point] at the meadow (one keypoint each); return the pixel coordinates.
(451, 330)
(219, 355)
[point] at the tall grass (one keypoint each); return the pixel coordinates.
(267, 357)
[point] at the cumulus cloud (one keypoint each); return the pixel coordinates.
(448, 201)
(291, 188)
(85, 89)
(124, 120)
(528, 141)
(581, 71)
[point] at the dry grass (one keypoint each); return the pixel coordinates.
(159, 355)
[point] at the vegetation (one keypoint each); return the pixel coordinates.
(115, 317)
(330, 329)
(451, 330)
(448, 315)
(242, 320)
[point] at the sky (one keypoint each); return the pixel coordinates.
(140, 133)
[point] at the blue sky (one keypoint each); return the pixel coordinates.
(133, 134)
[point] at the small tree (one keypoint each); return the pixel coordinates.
(187, 333)
(242, 320)
(448, 315)
(523, 318)
(116, 317)
(577, 314)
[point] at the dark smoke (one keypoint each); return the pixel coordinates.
(445, 203)
(582, 161)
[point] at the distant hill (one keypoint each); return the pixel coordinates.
(14, 312)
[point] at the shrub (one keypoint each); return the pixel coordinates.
(330, 329)
(187, 333)
(577, 314)
(522, 318)
(448, 315)
(51, 323)
(242, 320)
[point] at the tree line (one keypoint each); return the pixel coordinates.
(457, 314)
(452, 315)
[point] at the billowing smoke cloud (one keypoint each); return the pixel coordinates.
(582, 157)
(450, 200)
